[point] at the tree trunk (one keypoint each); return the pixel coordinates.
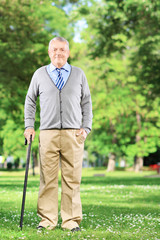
(35, 158)
(138, 164)
(111, 163)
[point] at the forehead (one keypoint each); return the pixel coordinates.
(59, 44)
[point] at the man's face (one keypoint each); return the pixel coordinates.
(58, 53)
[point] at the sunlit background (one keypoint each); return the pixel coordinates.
(117, 44)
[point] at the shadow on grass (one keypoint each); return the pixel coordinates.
(114, 180)
(12, 182)
(12, 170)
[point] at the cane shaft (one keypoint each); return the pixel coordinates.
(25, 182)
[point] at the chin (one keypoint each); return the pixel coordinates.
(60, 63)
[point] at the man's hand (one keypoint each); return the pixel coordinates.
(83, 132)
(28, 132)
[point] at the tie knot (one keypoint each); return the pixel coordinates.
(58, 70)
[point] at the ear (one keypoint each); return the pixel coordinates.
(49, 53)
(68, 53)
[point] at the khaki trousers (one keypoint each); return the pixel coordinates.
(53, 145)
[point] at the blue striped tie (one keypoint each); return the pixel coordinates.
(59, 81)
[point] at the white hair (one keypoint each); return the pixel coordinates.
(61, 39)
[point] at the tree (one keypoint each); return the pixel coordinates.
(25, 30)
(118, 30)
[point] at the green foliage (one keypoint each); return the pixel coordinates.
(119, 53)
(122, 38)
(25, 30)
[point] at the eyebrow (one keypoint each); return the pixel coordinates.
(57, 48)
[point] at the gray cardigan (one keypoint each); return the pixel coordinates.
(70, 107)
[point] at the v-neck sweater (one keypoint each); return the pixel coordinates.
(68, 108)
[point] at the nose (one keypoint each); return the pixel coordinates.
(59, 51)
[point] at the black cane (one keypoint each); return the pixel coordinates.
(25, 180)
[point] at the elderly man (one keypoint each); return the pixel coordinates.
(65, 121)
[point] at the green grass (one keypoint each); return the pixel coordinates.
(121, 205)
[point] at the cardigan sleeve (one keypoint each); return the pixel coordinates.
(30, 103)
(86, 105)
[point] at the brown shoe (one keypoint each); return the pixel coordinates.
(77, 229)
(40, 227)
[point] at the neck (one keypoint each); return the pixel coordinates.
(58, 65)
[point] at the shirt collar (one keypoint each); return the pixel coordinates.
(66, 67)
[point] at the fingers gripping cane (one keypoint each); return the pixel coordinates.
(25, 180)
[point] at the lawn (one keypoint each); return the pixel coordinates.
(119, 205)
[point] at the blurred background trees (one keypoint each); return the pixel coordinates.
(25, 30)
(116, 43)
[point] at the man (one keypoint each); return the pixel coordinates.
(65, 121)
